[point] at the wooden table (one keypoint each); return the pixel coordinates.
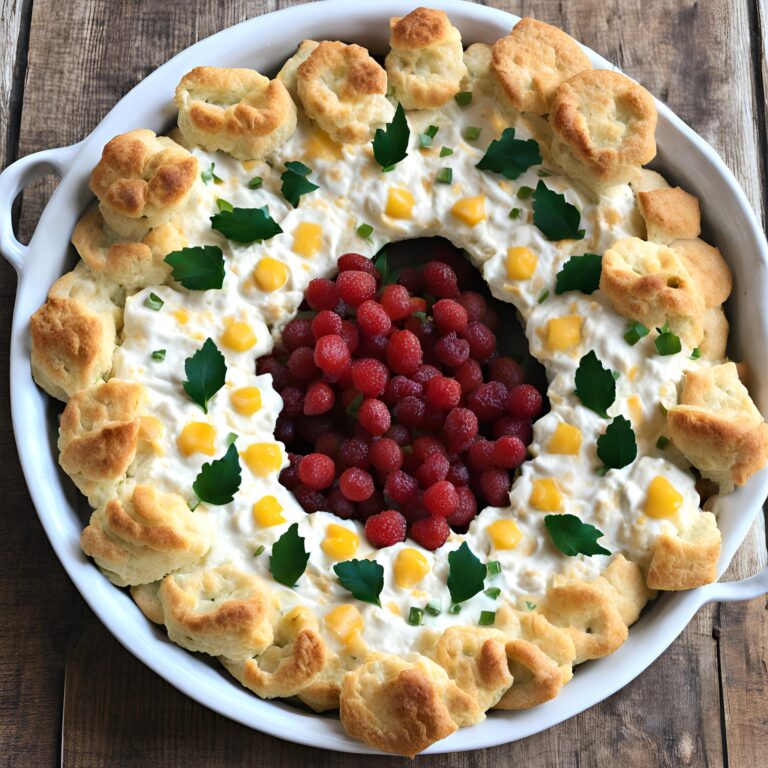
(68, 690)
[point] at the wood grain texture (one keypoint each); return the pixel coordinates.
(703, 703)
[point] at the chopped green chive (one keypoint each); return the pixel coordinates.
(365, 231)
(463, 98)
(445, 151)
(472, 133)
(514, 213)
(543, 295)
(193, 503)
(525, 192)
(615, 375)
(602, 471)
(542, 174)
(224, 205)
(666, 342)
(493, 592)
(255, 182)
(154, 302)
(231, 438)
(487, 618)
(259, 550)
(158, 354)
(635, 332)
(209, 176)
(696, 354)
(425, 139)
(444, 176)
(529, 605)
(388, 168)
(662, 442)
(455, 608)
(433, 608)
(494, 567)
(415, 616)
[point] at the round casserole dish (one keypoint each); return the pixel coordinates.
(683, 157)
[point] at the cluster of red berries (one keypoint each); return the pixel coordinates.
(397, 408)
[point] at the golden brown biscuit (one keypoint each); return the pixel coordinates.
(293, 662)
(289, 73)
(402, 706)
(718, 428)
(650, 283)
(142, 180)
(532, 61)
(537, 677)
(715, 340)
(603, 124)
(344, 91)
(708, 269)
(648, 180)
(238, 111)
(425, 65)
(669, 214)
(98, 437)
(477, 61)
(687, 560)
(147, 597)
(220, 611)
(141, 540)
(73, 334)
(132, 265)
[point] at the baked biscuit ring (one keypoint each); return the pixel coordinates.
(669, 214)
(129, 264)
(344, 91)
(537, 677)
(221, 611)
(141, 540)
(650, 283)
(687, 560)
(73, 334)
(532, 61)
(291, 664)
(141, 181)
(717, 426)
(289, 73)
(715, 340)
(403, 705)
(147, 598)
(426, 64)
(98, 436)
(238, 111)
(603, 124)
(708, 268)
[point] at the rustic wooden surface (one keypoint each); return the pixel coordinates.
(69, 693)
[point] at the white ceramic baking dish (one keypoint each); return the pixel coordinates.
(263, 43)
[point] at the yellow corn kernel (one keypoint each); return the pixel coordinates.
(263, 458)
(246, 400)
(411, 566)
(504, 534)
(663, 499)
(633, 371)
(339, 543)
(564, 332)
(470, 210)
(238, 336)
(399, 203)
(635, 409)
(197, 437)
(181, 315)
(566, 439)
(270, 274)
(521, 263)
(150, 431)
(268, 511)
(546, 495)
(307, 239)
(321, 146)
(393, 607)
(345, 622)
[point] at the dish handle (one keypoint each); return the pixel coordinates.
(728, 591)
(14, 178)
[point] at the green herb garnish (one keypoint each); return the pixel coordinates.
(595, 385)
(617, 446)
(514, 213)
(635, 331)
(572, 537)
(255, 182)
(554, 216)
(205, 371)
(466, 574)
(158, 354)
(580, 273)
(295, 182)
(530, 606)
(246, 225)
(354, 407)
(666, 342)
(433, 608)
(445, 151)
(289, 558)
(363, 578)
(471, 133)
(154, 302)
(425, 139)
(415, 616)
(509, 156)
(524, 193)
(365, 231)
(259, 550)
(454, 608)
(209, 176)
(494, 567)
(199, 269)
(231, 438)
(696, 354)
(487, 618)
(543, 295)
(388, 274)
(463, 98)
(662, 442)
(219, 480)
(493, 593)
(224, 205)
(444, 176)
(390, 144)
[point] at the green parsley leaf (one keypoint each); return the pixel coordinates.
(572, 537)
(556, 218)
(463, 98)
(415, 616)
(209, 176)
(472, 133)
(205, 372)
(543, 295)
(224, 205)
(466, 574)
(666, 342)
(514, 213)
(246, 225)
(595, 385)
(200, 268)
(425, 139)
(158, 354)
(295, 182)
(617, 447)
(580, 273)
(530, 606)
(363, 578)
(289, 557)
(232, 438)
(487, 618)
(662, 442)
(390, 144)
(255, 182)
(218, 481)
(524, 192)
(433, 608)
(635, 331)
(696, 354)
(445, 151)
(365, 231)
(444, 176)
(354, 407)
(381, 262)
(509, 156)
(154, 302)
